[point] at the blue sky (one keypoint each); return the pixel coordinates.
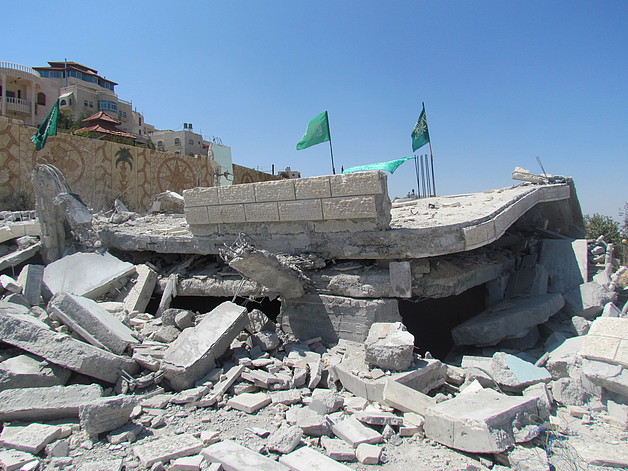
(502, 81)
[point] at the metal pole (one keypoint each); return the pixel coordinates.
(432, 159)
(331, 150)
(416, 170)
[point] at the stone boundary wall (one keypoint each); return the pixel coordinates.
(332, 203)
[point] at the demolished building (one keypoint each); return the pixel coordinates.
(463, 319)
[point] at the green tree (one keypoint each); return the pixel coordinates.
(598, 224)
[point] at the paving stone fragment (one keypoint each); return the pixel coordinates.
(106, 414)
(285, 439)
(235, 457)
(195, 351)
(249, 402)
(30, 439)
(389, 346)
(12, 460)
(354, 432)
(479, 422)
(308, 459)
(338, 450)
(368, 454)
(167, 448)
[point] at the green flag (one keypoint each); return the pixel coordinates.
(420, 134)
(390, 166)
(47, 128)
(317, 131)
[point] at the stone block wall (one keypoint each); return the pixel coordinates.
(331, 203)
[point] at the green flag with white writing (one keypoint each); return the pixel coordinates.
(317, 131)
(420, 134)
(390, 166)
(47, 128)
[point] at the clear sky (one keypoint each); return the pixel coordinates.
(502, 81)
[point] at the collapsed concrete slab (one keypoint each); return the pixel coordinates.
(92, 322)
(195, 351)
(507, 319)
(335, 317)
(308, 459)
(32, 335)
(86, 274)
(55, 402)
(483, 421)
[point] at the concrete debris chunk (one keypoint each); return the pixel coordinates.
(266, 340)
(614, 378)
(140, 292)
(285, 439)
(338, 450)
(32, 335)
(515, 374)
(31, 439)
(406, 399)
(103, 465)
(507, 320)
(13, 460)
(55, 402)
(529, 459)
(13, 259)
(249, 402)
(308, 459)
(86, 274)
(368, 454)
(588, 299)
(311, 422)
(566, 262)
(31, 278)
(563, 359)
(235, 457)
(325, 402)
(195, 351)
(106, 414)
(165, 449)
(289, 397)
(607, 341)
(378, 417)
(389, 346)
(92, 322)
(480, 422)
(258, 321)
(28, 371)
(10, 284)
(353, 432)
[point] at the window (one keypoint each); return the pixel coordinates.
(191, 142)
(177, 141)
(62, 103)
(41, 98)
(139, 121)
(85, 103)
(91, 104)
(177, 152)
(160, 143)
(106, 105)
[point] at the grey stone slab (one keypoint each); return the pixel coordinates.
(31, 278)
(86, 274)
(32, 438)
(55, 402)
(167, 448)
(515, 374)
(507, 320)
(106, 414)
(390, 346)
(353, 432)
(308, 459)
(139, 294)
(12, 460)
(400, 279)
(588, 299)
(235, 457)
(479, 422)
(92, 322)
(405, 399)
(566, 262)
(28, 371)
(194, 353)
(29, 334)
(19, 256)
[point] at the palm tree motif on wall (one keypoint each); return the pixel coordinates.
(124, 156)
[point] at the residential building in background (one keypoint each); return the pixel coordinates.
(289, 173)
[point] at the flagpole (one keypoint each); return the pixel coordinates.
(432, 160)
(416, 170)
(331, 150)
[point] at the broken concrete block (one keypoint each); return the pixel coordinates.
(389, 346)
(32, 335)
(28, 371)
(607, 341)
(10, 284)
(92, 322)
(338, 450)
(184, 320)
(13, 460)
(289, 397)
(312, 423)
(610, 310)
(588, 299)
(266, 340)
(580, 325)
(368, 454)
(400, 279)
(257, 322)
(507, 319)
(611, 377)
(103, 465)
(544, 399)
(353, 432)
(235, 457)
(378, 417)
(529, 459)
(325, 402)
(566, 262)
(187, 463)
(138, 296)
(19, 256)
(308, 459)
(515, 374)
(406, 399)
(32, 438)
(195, 351)
(106, 414)
(285, 439)
(599, 453)
(55, 402)
(167, 448)
(479, 422)
(86, 274)
(568, 391)
(427, 374)
(31, 278)
(249, 402)
(564, 358)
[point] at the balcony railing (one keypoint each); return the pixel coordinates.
(19, 68)
(17, 104)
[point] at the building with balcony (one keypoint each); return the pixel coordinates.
(25, 94)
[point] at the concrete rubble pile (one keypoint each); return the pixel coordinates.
(102, 368)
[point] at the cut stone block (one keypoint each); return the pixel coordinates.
(353, 432)
(86, 274)
(564, 357)
(193, 354)
(607, 341)
(31, 278)
(28, 371)
(307, 459)
(389, 346)
(507, 319)
(338, 450)
(377, 417)
(406, 399)
(187, 463)
(140, 293)
(249, 402)
(32, 438)
(10, 284)
(167, 448)
(285, 439)
(55, 402)
(368, 454)
(12, 460)
(566, 263)
(105, 414)
(92, 322)
(32, 335)
(588, 299)
(611, 377)
(479, 422)
(235, 457)
(515, 374)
